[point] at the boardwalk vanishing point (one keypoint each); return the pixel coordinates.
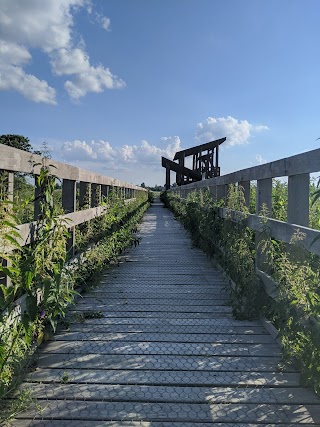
(167, 351)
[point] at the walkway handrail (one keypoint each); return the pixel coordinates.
(297, 168)
(13, 160)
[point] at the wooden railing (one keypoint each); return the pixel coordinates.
(298, 169)
(89, 183)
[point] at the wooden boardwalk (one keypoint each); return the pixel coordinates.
(166, 352)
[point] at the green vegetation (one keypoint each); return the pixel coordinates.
(296, 310)
(41, 275)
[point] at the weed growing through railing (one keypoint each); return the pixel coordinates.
(296, 309)
(36, 274)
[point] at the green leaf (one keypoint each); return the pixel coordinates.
(12, 240)
(9, 224)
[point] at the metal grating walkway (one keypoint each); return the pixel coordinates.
(167, 351)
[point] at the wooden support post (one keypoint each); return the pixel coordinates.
(263, 202)
(69, 199)
(246, 191)
(264, 195)
(167, 178)
(6, 194)
(95, 195)
(298, 199)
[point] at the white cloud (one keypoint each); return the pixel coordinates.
(86, 77)
(236, 131)
(95, 79)
(69, 61)
(31, 87)
(48, 25)
(105, 23)
(101, 151)
(12, 53)
(38, 24)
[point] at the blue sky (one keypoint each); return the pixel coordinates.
(112, 85)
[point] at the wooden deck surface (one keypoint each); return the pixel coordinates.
(166, 352)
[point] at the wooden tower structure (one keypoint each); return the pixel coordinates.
(205, 163)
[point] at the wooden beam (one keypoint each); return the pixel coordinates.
(198, 148)
(180, 169)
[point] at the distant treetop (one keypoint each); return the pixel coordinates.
(16, 141)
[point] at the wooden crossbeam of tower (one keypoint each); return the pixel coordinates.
(181, 170)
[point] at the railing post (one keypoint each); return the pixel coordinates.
(8, 188)
(69, 199)
(84, 194)
(263, 201)
(167, 178)
(264, 195)
(298, 199)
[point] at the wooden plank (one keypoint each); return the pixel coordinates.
(278, 229)
(127, 393)
(120, 423)
(164, 377)
(180, 169)
(165, 337)
(198, 149)
(298, 199)
(211, 413)
(172, 348)
(160, 362)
